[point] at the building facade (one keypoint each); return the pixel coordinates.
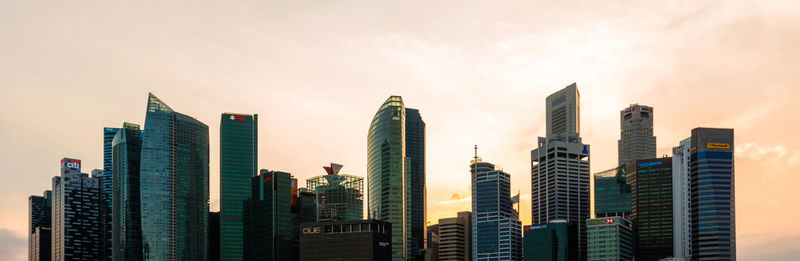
(77, 216)
(174, 184)
(339, 197)
(681, 199)
(612, 195)
(651, 207)
(214, 236)
(554, 241)
(356, 240)
(415, 153)
(432, 242)
(560, 167)
(609, 239)
(496, 229)
(636, 134)
(455, 237)
(39, 223)
(126, 208)
(108, 191)
(269, 223)
(389, 186)
(713, 194)
(237, 167)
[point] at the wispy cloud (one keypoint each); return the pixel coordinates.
(12, 246)
(755, 151)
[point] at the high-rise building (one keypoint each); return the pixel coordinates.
(77, 217)
(553, 241)
(126, 208)
(213, 236)
(237, 167)
(107, 184)
(636, 134)
(612, 195)
(415, 154)
(389, 186)
(39, 217)
(174, 184)
(305, 206)
(651, 207)
(681, 199)
(432, 242)
(496, 229)
(560, 167)
(269, 223)
(609, 239)
(455, 237)
(712, 185)
(356, 240)
(338, 196)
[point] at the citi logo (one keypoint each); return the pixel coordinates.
(73, 164)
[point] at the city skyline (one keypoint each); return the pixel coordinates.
(699, 84)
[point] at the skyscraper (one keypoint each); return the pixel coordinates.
(237, 167)
(612, 195)
(126, 210)
(415, 153)
(338, 196)
(77, 219)
(712, 185)
(609, 238)
(681, 199)
(388, 190)
(213, 236)
(174, 184)
(636, 134)
(39, 217)
(107, 184)
(269, 231)
(455, 237)
(496, 229)
(560, 167)
(553, 241)
(651, 207)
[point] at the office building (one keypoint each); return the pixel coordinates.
(432, 242)
(269, 222)
(636, 134)
(389, 188)
(554, 241)
(612, 195)
(651, 207)
(455, 237)
(352, 240)
(560, 167)
(237, 167)
(214, 236)
(609, 239)
(338, 196)
(107, 184)
(77, 217)
(681, 199)
(496, 229)
(415, 154)
(305, 206)
(126, 208)
(174, 184)
(39, 217)
(713, 194)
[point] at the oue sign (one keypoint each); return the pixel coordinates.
(311, 230)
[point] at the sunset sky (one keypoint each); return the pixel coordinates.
(478, 71)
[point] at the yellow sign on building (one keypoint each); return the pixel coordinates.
(718, 145)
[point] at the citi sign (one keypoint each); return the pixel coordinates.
(73, 164)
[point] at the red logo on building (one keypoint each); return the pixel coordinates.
(609, 220)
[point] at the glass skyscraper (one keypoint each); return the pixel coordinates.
(174, 184)
(388, 189)
(126, 209)
(496, 229)
(269, 226)
(237, 167)
(77, 219)
(609, 239)
(554, 241)
(713, 195)
(340, 197)
(651, 207)
(612, 195)
(107, 184)
(39, 223)
(415, 154)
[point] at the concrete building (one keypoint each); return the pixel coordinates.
(554, 241)
(356, 240)
(39, 223)
(612, 195)
(238, 160)
(609, 239)
(455, 237)
(681, 198)
(651, 207)
(636, 134)
(560, 167)
(496, 229)
(77, 215)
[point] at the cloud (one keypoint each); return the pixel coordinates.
(455, 199)
(12, 246)
(755, 151)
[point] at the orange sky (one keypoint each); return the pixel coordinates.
(478, 71)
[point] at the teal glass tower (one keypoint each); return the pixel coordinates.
(554, 241)
(612, 195)
(126, 208)
(174, 185)
(415, 153)
(237, 167)
(269, 225)
(388, 189)
(609, 238)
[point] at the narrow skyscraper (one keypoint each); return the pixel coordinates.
(560, 167)
(126, 208)
(39, 216)
(388, 189)
(77, 217)
(682, 199)
(636, 134)
(651, 207)
(415, 153)
(174, 184)
(107, 187)
(269, 230)
(237, 167)
(496, 229)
